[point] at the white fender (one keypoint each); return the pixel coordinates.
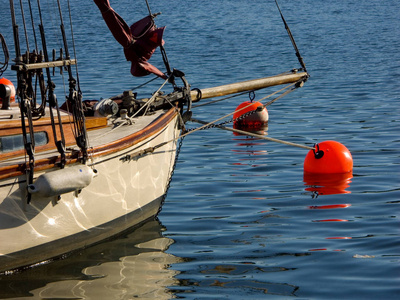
(62, 181)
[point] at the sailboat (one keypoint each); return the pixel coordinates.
(77, 173)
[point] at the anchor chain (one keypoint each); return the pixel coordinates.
(216, 125)
(251, 97)
(178, 150)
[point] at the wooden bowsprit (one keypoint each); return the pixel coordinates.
(249, 85)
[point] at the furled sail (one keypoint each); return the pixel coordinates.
(139, 40)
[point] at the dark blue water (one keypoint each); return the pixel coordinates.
(240, 221)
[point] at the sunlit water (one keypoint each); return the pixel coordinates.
(240, 221)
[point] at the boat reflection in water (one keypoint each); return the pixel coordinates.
(132, 266)
(327, 184)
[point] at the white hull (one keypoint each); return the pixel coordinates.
(123, 193)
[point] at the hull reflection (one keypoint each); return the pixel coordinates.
(132, 266)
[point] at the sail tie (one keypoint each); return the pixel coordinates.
(139, 40)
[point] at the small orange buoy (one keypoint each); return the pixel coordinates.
(8, 83)
(258, 118)
(329, 157)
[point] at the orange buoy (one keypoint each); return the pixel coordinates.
(258, 118)
(328, 157)
(8, 83)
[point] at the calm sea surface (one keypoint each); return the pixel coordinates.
(239, 220)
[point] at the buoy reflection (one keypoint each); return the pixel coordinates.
(259, 129)
(250, 146)
(331, 220)
(332, 206)
(327, 184)
(339, 238)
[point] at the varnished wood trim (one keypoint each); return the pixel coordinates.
(16, 124)
(95, 122)
(45, 126)
(91, 123)
(72, 157)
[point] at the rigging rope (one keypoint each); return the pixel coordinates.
(73, 43)
(264, 105)
(79, 91)
(143, 84)
(74, 96)
(29, 143)
(25, 107)
(263, 137)
(23, 21)
(292, 39)
(15, 31)
(148, 7)
(208, 125)
(162, 49)
(4, 65)
(130, 119)
(53, 103)
(33, 25)
(27, 92)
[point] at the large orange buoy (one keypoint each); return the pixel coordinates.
(328, 157)
(258, 118)
(8, 83)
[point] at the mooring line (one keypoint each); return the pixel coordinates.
(255, 135)
(206, 125)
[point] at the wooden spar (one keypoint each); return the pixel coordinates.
(249, 85)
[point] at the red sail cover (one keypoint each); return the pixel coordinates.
(139, 41)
